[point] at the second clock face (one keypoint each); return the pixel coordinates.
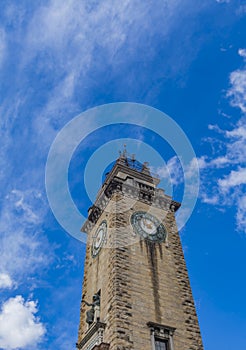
(99, 238)
(148, 226)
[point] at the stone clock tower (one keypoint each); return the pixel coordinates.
(136, 290)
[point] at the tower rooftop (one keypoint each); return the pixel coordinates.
(131, 167)
(135, 180)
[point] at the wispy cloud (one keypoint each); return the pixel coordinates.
(241, 10)
(224, 175)
(2, 45)
(24, 249)
(235, 178)
(241, 213)
(5, 281)
(237, 90)
(75, 42)
(223, 1)
(227, 187)
(58, 58)
(67, 49)
(171, 172)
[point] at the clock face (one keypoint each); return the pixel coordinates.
(148, 226)
(99, 238)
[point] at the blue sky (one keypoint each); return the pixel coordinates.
(57, 60)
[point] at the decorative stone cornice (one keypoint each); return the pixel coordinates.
(129, 182)
(102, 346)
(97, 327)
(161, 329)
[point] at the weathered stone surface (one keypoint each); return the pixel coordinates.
(102, 346)
(140, 281)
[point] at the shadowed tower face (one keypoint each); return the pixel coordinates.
(136, 291)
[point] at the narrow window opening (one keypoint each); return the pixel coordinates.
(161, 344)
(161, 336)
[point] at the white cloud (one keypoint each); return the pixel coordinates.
(227, 187)
(223, 1)
(78, 38)
(19, 325)
(241, 10)
(242, 52)
(172, 171)
(241, 213)
(86, 25)
(24, 249)
(176, 175)
(209, 199)
(2, 46)
(237, 90)
(238, 132)
(22, 206)
(65, 47)
(5, 281)
(229, 158)
(220, 162)
(235, 178)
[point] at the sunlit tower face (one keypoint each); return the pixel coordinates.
(136, 291)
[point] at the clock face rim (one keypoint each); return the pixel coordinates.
(97, 244)
(158, 234)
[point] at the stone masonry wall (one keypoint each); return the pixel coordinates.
(140, 281)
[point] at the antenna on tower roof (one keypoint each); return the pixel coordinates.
(123, 154)
(124, 151)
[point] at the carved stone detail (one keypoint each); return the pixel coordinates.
(133, 189)
(113, 187)
(93, 337)
(94, 213)
(102, 346)
(160, 331)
